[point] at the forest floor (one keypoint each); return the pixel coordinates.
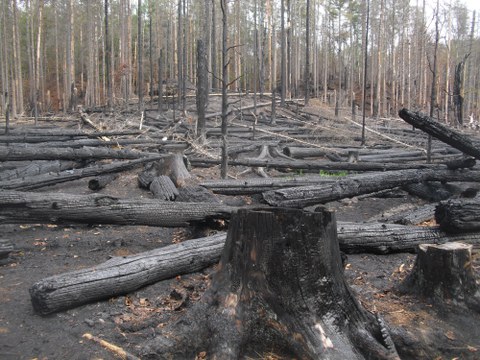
(41, 250)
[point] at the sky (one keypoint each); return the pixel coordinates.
(473, 5)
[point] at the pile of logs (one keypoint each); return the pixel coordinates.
(178, 199)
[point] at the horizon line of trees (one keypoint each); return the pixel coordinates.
(55, 54)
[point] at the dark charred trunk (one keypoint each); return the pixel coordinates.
(163, 188)
(441, 132)
(279, 291)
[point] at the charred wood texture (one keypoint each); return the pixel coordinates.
(361, 184)
(87, 153)
(22, 207)
(444, 272)
(6, 247)
(459, 215)
(121, 275)
(100, 182)
(163, 188)
(35, 182)
(441, 132)
(279, 291)
(35, 168)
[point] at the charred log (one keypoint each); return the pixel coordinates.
(6, 247)
(441, 132)
(35, 182)
(36, 168)
(360, 184)
(121, 275)
(277, 292)
(22, 207)
(459, 215)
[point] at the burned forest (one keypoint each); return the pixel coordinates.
(239, 180)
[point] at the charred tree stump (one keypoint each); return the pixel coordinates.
(121, 275)
(279, 291)
(441, 132)
(459, 215)
(163, 188)
(172, 165)
(444, 272)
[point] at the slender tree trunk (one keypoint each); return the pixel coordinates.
(224, 166)
(283, 59)
(160, 82)
(202, 89)
(365, 68)
(17, 55)
(433, 95)
(307, 54)
(214, 47)
(108, 59)
(140, 56)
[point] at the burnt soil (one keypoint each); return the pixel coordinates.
(429, 331)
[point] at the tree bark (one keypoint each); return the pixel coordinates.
(121, 275)
(360, 184)
(202, 89)
(441, 132)
(35, 182)
(24, 207)
(101, 181)
(163, 188)
(444, 272)
(277, 292)
(458, 215)
(9, 153)
(36, 168)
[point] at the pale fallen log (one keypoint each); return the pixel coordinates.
(121, 275)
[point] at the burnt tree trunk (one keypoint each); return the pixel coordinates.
(459, 215)
(121, 275)
(279, 291)
(360, 184)
(444, 272)
(163, 188)
(202, 89)
(24, 207)
(441, 132)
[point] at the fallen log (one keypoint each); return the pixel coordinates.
(6, 247)
(35, 182)
(36, 168)
(441, 132)
(121, 275)
(314, 166)
(276, 293)
(303, 196)
(413, 217)
(259, 185)
(458, 215)
(381, 238)
(126, 274)
(8, 153)
(24, 207)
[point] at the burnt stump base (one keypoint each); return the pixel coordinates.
(444, 273)
(279, 291)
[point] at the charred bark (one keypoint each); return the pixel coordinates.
(121, 275)
(459, 215)
(279, 291)
(8, 153)
(36, 168)
(361, 184)
(441, 132)
(21, 208)
(35, 182)
(100, 182)
(6, 247)
(163, 188)
(444, 272)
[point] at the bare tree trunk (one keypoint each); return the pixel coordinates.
(202, 89)
(108, 65)
(307, 54)
(283, 59)
(224, 166)
(214, 47)
(160, 82)
(140, 56)
(433, 95)
(17, 56)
